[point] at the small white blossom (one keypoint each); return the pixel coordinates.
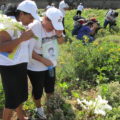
(78, 101)
(99, 112)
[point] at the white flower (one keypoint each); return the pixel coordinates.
(9, 23)
(107, 107)
(99, 112)
(98, 106)
(78, 101)
(81, 103)
(90, 103)
(85, 102)
(101, 101)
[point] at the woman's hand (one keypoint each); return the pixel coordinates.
(47, 62)
(41, 59)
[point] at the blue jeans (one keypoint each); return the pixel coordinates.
(106, 22)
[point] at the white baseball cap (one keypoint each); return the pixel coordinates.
(56, 17)
(29, 7)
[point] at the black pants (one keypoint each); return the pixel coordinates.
(109, 23)
(40, 81)
(79, 12)
(15, 85)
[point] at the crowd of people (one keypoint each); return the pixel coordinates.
(89, 27)
(37, 59)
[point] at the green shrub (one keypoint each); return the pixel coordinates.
(114, 114)
(111, 92)
(59, 109)
(90, 64)
(2, 97)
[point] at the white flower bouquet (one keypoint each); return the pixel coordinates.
(9, 23)
(97, 107)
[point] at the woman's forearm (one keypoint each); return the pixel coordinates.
(8, 45)
(41, 59)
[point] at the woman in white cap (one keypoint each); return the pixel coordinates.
(14, 70)
(49, 31)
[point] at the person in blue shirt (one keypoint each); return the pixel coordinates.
(86, 30)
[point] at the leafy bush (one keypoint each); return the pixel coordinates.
(111, 92)
(114, 114)
(58, 109)
(90, 64)
(2, 98)
(85, 66)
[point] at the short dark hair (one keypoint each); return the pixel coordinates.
(115, 14)
(89, 23)
(18, 13)
(10, 9)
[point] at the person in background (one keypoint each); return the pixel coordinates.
(63, 7)
(50, 5)
(97, 26)
(110, 18)
(80, 9)
(53, 5)
(77, 25)
(87, 30)
(49, 31)
(14, 69)
(3, 7)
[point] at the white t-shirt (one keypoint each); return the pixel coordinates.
(46, 46)
(18, 55)
(62, 6)
(109, 15)
(80, 7)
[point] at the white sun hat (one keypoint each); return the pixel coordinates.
(29, 7)
(56, 17)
